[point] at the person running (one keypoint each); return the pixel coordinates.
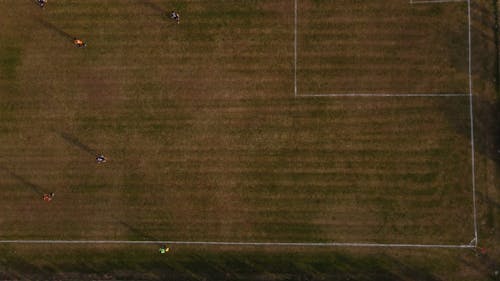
(164, 249)
(79, 43)
(42, 3)
(100, 159)
(175, 16)
(47, 197)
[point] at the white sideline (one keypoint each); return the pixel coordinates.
(435, 1)
(471, 98)
(295, 51)
(382, 95)
(221, 243)
(295, 55)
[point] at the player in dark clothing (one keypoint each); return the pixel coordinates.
(175, 16)
(79, 43)
(100, 159)
(42, 3)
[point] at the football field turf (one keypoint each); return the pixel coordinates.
(206, 136)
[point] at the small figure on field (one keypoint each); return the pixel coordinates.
(164, 249)
(42, 3)
(47, 197)
(79, 43)
(100, 159)
(175, 16)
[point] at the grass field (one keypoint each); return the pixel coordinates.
(370, 47)
(204, 137)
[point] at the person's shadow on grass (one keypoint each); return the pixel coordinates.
(54, 28)
(32, 186)
(77, 143)
(153, 6)
(136, 231)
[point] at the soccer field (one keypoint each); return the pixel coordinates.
(234, 125)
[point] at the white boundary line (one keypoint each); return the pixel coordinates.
(295, 51)
(471, 112)
(435, 1)
(383, 95)
(295, 45)
(220, 243)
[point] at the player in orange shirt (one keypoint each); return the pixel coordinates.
(79, 43)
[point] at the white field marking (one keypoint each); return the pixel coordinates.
(295, 51)
(383, 95)
(471, 113)
(221, 243)
(295, 45)
(475, 240)
(471, 99)
(435, 1)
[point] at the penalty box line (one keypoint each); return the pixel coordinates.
(470, 94)
(382, 95)
(255, 244)
(295, 55)
(435, 1)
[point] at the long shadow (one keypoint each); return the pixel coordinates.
(153, 6)
(488, 200)
(55, 28)
(74, 141)
(486, 124)
(487, 128)
(33, 186)
(137, 231)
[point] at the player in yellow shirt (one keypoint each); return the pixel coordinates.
(164, 249)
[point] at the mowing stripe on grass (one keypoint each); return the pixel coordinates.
(296, 94)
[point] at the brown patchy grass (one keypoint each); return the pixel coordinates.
(374, 47)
